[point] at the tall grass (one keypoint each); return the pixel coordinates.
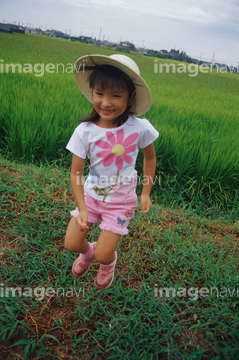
(37, 119)
(197, 116)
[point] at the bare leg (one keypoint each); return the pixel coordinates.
(106, 246)
(75, 240)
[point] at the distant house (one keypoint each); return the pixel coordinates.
(140, 50)
(10, 28)
(163, 52)
(58, 34)
(234, 69)
(221, 67)
(173, 54)
(35, 31)
(86, 39)
(195, 61)
(109, 44)
(5, 28)
(127, 45)
(206, 64)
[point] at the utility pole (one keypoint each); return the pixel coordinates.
(213, 58)
(100, 33)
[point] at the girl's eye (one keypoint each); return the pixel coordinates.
(116, 96)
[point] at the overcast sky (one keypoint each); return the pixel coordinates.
(203, 28)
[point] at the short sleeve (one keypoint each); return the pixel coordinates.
(76, 144)
(148, 135)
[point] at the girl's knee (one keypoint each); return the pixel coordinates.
(103, 257)
(71, 242)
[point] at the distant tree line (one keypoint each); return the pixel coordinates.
(172, 54)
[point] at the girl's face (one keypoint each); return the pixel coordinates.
(109, 104)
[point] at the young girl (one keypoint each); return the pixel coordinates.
(110, 137)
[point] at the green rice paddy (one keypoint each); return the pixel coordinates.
(195, 111)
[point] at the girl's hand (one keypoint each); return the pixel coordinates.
(145, 204)
(81, 220)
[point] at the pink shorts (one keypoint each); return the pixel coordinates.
(113, 217)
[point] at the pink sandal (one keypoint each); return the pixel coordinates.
(82, 263)
(105, 275)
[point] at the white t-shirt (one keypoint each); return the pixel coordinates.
(112, 153)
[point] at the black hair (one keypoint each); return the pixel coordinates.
(107, 76)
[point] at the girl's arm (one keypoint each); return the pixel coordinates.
(77, 186)
(149, 172)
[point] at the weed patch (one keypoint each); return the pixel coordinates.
(175, 292)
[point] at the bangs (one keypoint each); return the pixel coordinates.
(107, 76)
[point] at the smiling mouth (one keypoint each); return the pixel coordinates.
(106, 112)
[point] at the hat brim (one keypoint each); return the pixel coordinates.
(143, 97)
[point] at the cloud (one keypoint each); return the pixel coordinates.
(182, 11)
(194, 26)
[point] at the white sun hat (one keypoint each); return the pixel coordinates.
(143, 97)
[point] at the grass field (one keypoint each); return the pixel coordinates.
(176, 289)
(196, 114)
(47, 314)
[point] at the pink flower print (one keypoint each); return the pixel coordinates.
(117, 148)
